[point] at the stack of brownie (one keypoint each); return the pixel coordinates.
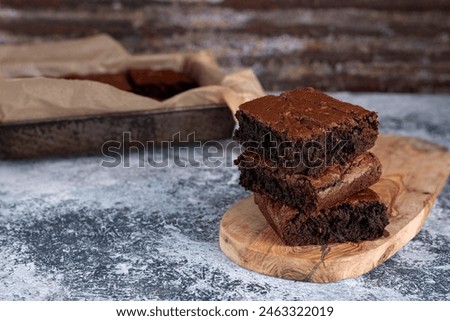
(306, 159)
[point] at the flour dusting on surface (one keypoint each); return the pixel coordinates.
(72, 230)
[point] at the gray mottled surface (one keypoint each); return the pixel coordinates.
(70, 229)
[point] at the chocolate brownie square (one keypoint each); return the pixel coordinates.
(306, 129)
(360, 217)
(311, 194)
(160, 84)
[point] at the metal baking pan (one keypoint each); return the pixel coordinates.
(87, 134)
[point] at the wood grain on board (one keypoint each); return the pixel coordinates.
(414, 172)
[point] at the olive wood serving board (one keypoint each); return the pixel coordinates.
(414, 172)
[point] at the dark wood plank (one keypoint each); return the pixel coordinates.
(399, 45)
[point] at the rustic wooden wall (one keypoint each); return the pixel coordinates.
(379, 45)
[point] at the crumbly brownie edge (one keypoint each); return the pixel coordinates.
(311, 194)
(350, 221)
(258, 180)
(158, 87)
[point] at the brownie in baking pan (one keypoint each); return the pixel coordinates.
(156, 84)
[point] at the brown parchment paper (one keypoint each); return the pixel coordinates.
(28, 93)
